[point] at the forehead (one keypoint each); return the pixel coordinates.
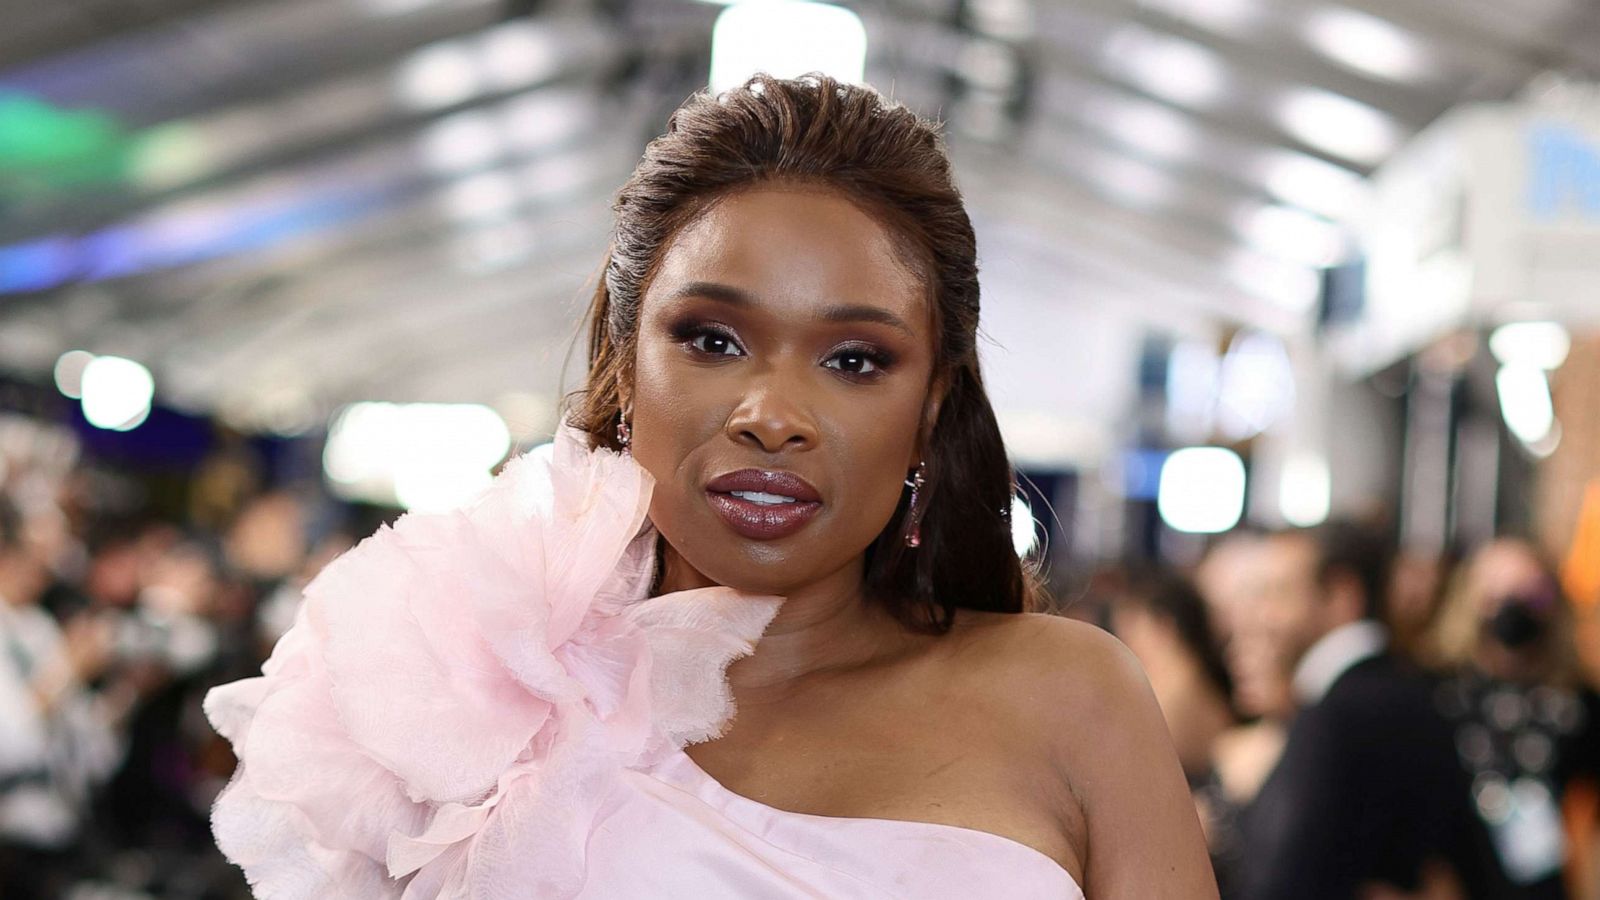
(793, 244)
(1506, 567)
(1288, 556)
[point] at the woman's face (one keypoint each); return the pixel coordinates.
(781, 337)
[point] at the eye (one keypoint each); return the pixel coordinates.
(713, 342)
(858, 361)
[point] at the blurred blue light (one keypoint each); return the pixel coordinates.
(37, 265)
(165, 242)
(1141, 473)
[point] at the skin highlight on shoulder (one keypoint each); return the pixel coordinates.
(1076, 698)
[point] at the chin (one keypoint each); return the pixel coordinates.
(749, 566)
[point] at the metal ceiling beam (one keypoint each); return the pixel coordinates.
(1277, 57)
(364, 131)
(1176, 266)
(1487, 41)
(36, 31)
(1240, 123)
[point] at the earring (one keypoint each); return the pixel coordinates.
(915, 482)
(624, 433)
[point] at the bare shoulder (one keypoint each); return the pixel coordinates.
(1068, 688)
(1063, 670)
(1080, 697)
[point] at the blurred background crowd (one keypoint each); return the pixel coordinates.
(1292, 333)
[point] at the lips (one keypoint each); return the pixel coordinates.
(762, 504)
(785, 484)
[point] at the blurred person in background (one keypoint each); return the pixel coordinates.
(1223, 578)
(166, 646)
(1231, 581)
(1526, 726)
(1164, 621)
(56, 741)
(1367, 797)
(1416, 593)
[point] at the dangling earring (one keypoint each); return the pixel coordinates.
(915, 482)
(624, 433)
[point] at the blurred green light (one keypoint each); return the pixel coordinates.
(46, 148)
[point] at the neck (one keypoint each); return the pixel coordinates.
(825, 626)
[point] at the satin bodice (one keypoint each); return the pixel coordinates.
(674, 831)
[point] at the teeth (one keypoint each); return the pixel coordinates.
(763, 498)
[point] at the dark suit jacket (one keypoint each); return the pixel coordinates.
(1369, 788)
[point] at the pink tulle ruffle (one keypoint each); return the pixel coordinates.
(460, 693)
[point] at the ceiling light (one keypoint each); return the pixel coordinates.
(485, 195)
(1202, 490)
(116, 393)
(1171, 68)
(1367, 44)
(1256, 385)
(1151, 127)
(1002, 18)
(516, 55)
(1293, 234)
(1525, 402)
(437, 76)
(786, 39)
(547, 117)
(1339, 125)
(1130, 180)
(462, 142)
(69, 372)
(1316, 185)
(432, 456)
(1305, 490)
(1540, 345)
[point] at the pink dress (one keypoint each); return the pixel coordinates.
(485, 703)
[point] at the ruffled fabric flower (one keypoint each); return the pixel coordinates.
(460, 693)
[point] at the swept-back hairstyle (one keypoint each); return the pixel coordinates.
(892, 164)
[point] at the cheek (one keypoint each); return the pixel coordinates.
(873, 438)
(672, 411)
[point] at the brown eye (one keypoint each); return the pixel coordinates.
(854, 361)
(863, 362)
(714, 343)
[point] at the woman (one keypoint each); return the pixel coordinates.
(1164, 621)
(1527, 726)
(784, 378)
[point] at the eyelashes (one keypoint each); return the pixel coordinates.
(856, 360)
(878, 359)
(693, 334)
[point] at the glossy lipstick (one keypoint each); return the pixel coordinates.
(763, 521)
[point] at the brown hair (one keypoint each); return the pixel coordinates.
(891, 163)
(1457, 628)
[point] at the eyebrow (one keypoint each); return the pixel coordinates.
(850, 312)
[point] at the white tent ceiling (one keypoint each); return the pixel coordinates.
(417, 190)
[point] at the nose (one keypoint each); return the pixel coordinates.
(773, 416)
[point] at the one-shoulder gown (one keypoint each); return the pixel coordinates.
(485, 704)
